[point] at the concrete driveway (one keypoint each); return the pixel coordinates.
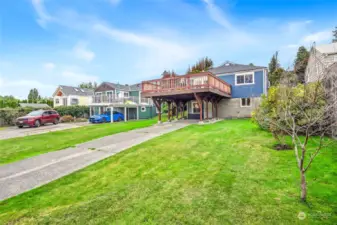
(12, 132)
(27, 174)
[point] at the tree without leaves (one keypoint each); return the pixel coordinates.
(301, 63)
(305, 112)
(169, 73)
(202, 65)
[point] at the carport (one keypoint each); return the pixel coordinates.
(122, 108)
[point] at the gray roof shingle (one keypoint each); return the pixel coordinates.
(229, 67)
(69, 90)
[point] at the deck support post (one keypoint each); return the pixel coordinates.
(111, 114)
(206, 108)
(138, 112)
(199, 101)
(125, 114)
(157, 102)
(90, 111)
(169, 110)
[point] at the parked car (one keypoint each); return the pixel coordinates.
(106, 117)
(38, 118)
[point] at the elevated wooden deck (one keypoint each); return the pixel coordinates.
(202, 87)
(186, 86)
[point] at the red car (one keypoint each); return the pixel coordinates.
(38, 118)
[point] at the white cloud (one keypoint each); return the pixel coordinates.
(318, 37)
(76, 78)
(21, 87)
(82, 52)
(49, 66)
(44, 17)
(217, 14)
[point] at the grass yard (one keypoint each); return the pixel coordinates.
(224, 173)
(19, 148)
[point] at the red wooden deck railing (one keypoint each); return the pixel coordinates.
(204, 80)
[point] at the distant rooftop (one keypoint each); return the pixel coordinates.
(69, 90)
(34, 105)
(125, 87)
(230, 67)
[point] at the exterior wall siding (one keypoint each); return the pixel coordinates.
(250, 90)
(150, 112)
(231, 108)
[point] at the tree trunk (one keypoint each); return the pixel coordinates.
(303, 187)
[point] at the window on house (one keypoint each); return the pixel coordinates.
(245, 102)
(143, 109)
(245, 79)
(74, 101)
(126, 94)
(195, 107)
(57, 101)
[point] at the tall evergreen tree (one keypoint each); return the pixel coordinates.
(274, 64)
(274, 72)
(301, 63)
(334, 34)
(33, 96)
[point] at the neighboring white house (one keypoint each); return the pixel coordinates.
(67, 95)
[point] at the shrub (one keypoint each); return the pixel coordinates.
(9, 115)
(75, 111)
(67, 119)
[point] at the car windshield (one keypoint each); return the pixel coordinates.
(35, 113)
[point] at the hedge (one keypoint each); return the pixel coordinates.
(9, 115)
(75, 111)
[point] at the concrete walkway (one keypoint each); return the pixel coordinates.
(12, 132)
(18, 177)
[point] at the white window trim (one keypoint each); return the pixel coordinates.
(127, 94)
(108, 92)
(245, 106)
(242, 74)
(98, 93)
(191, 108)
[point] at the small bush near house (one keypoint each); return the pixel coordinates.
(67, 119)
(75, 111)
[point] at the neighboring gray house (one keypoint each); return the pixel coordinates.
(322, 57)
(322, 66)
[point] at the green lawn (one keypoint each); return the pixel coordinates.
(224, 173)
(15, 149)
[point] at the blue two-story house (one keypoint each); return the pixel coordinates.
(227, 91)
(248, 83)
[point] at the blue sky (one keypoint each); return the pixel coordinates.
(44, 43)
